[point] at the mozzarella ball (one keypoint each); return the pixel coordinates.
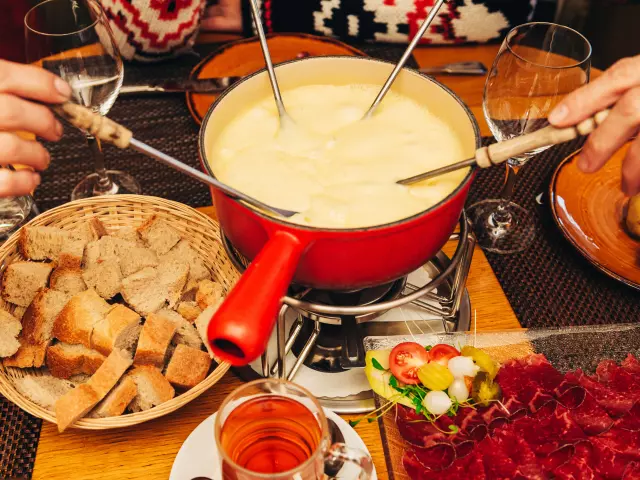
(437, 402)
(463, 367)
(458, 390)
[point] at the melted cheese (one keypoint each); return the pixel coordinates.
(338, 170)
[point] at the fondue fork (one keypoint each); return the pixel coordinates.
(109, 131)
(285, 118)
(500, 152)
(405, 56)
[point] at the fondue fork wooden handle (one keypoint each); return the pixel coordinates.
(109, 131)
(502, 151)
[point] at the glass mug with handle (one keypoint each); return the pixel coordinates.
(276, 430)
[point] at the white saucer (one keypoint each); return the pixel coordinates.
(198, 456)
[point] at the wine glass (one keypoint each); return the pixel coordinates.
(72, 39)
(537, 65)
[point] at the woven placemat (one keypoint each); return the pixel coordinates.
(19, 434)
(551, 284)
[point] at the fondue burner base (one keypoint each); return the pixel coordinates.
(324, 351)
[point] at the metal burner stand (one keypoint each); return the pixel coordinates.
(450, 273)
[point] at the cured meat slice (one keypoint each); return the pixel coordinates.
(578, 466)
(570, 396)
(616, 404)
(606, 462)
(632, 472)
(522, 455)
(631, 364)
(559, 428)
(535, 397)
(621, 441)
(497, 464)
(630, 420)
(436, 458)
(618, 379)
(510, 408)
(540, 371)
(556, 458)
(417, 430)
(591, 417)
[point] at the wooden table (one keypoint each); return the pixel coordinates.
(147, 451)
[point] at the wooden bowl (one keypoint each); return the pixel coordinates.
(243, 57)
(115, 212)
(590, 209)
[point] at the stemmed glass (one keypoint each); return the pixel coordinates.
(72, 39)
(537, 66)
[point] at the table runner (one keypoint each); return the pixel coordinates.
(550, 284)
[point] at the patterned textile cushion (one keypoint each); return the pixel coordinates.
(460, 21)
(151, 30)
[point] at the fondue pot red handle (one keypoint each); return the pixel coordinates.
(240, 329)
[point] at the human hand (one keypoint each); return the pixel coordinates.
(19, 84)
(619, 85)
(225, 16)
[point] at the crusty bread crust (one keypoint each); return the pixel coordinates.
(13, 282)
(77, 403)
(65, 361)
(149, 378)
(155, 338)
(75, 322)
(116, 402)
(107, 332)
(187, 367)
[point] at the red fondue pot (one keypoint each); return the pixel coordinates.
(322, 258)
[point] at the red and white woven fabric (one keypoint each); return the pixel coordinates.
(151, 30)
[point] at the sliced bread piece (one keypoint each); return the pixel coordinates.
(183, 252)
(65, 360)
(159, 235)
(155, 338)
(208, 293)
(106, 249)
(150, 289)
(42, 243)
(202, 325)
(79, 401)
(189, 310)
(153, 388)
(75, 322)
(22, 281)
(116, 402)
(173, 277)
(37, 326)
(71, 253)
(19, 312)
(130, 234)
(186, 333)
(142, 291)
(68, 280)
(10, 328)
(105, 278)
(134, 259)
(187, 367)
(90, 230)
(119, 329)
(43, 390)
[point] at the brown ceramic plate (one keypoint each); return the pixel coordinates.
(245, 56)
(590, 209)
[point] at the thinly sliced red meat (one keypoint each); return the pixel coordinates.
(632, 472)
(522, 455)
(540, 371)
(467, 468)
(497, 464)
(591, 417)
(621, 441)
(417, 430)
(560, 428)
(630, 420)
(570, 395)
(535, 397)
(436, 458)
(606, 462)
(509, 408)
(553, 459)
(618, 379)
(631, 364)
(578, 467)
(615, 403)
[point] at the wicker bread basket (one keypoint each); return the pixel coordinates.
(115, 212)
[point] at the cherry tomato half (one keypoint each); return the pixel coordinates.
(406, 359)
(441, 353)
